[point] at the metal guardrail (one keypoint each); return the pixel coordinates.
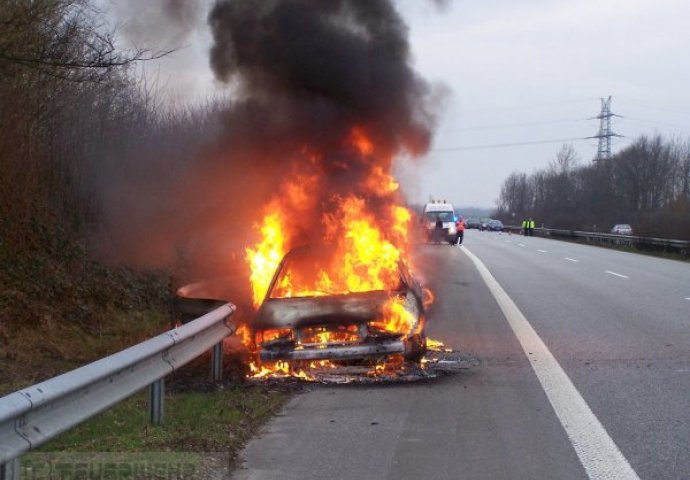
(34, 415)
(646, 243)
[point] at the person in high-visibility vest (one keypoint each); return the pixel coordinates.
(525, 227)
(530, 226)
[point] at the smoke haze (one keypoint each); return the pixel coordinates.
(304, 76)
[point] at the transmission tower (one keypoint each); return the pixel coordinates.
(605, 134)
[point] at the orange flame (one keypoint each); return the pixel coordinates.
(266, 256)
(366, 229)
(361, 141)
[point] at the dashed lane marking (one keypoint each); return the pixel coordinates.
(570, 259)
(542, 251)
(616, 274)
(596, 450)
(521, 244)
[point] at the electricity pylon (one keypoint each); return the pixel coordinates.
(605, 134)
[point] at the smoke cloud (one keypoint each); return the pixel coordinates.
(304, 76)
(163, 23)
(306, 73)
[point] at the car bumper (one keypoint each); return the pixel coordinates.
(334, 352)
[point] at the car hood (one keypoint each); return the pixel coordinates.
(294, 312)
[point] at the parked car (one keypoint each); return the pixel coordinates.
(484, 224)
(473, 223)
(622, 229)
(495, 226)
(336, 326)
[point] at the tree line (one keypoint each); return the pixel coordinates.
(646, 184)
(75, 117)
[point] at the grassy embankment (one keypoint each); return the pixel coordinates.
(60, 310)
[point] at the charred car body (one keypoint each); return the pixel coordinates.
(321, 325)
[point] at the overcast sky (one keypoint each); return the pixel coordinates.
(516, 71)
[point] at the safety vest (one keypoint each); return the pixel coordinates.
(531, 224)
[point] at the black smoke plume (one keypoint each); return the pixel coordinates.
(301, 74)
(306, 72)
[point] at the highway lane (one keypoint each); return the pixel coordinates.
(622, 340)
(619, 325)
(491, 422)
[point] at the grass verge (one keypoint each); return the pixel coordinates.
(29, 355)
(213, 421)
(200, 418)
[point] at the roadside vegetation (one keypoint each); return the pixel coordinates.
(68, 104)
(646, 185)
(74, 117)
(219, 420)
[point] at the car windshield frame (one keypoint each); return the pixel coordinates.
(298, 255)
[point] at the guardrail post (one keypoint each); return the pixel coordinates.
(156, 395)
(10, 470)
(217, 362)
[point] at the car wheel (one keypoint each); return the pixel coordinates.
(416, 348)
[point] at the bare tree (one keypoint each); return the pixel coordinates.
(62, 39)
(646, 183)
(516, 194)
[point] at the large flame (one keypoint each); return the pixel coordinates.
(367, 241)
(366, 231)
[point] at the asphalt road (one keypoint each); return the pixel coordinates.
(617, 326)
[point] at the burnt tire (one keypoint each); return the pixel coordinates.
(416, 348)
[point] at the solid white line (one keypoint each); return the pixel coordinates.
(616, 274)
(571, 259)
(542, 251)
(596, 450)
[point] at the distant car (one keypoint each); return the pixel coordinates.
(322, 325)
(622, 229)
(473, 223)
(484, 224)
(495, 226)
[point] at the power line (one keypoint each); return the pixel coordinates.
(513, 125)
(655, 123)
(505, 145)
(532, 106)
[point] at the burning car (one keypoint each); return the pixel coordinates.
(324, 323)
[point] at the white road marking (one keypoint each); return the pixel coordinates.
(687, 298)
(571, 259)
(542, 251)
(521, 244)
(596, 450)
(616, 274)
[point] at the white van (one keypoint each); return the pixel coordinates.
(439, 220)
